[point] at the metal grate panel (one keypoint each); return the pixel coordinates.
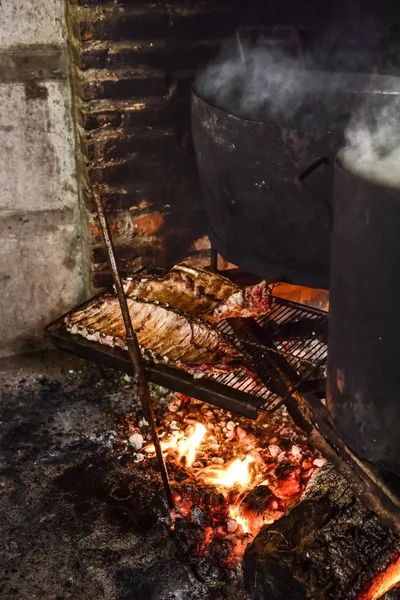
(292, 332)
(290, 342)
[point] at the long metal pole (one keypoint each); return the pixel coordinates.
(133, 346)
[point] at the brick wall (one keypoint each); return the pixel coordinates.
(133, 63)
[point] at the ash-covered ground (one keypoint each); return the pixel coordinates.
(71, 525)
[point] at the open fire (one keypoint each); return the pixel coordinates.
(233, 479)
(230, 476)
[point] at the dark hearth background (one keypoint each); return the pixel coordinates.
(133, 64)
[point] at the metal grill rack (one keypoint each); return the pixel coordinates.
(289, 342)
(282, 348)
(292, 339)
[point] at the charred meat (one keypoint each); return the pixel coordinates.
(165, 334)
(199, 292)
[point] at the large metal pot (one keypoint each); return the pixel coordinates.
(258, 218)
(363, 378)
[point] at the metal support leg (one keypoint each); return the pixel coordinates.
(213, 260)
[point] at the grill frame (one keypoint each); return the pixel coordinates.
(215, 389)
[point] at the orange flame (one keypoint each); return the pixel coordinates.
(188, 446)
(240, 474)
(234, 512)
(166, 445)
(232, 479)
(384, 582)
(236, 473)
(185, 447)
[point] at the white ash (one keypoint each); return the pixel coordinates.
(296, 450)
(213, 447)
(231, 525)
(136, 440)
(274, 450)
(319, 462)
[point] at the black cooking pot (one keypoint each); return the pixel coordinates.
(258, 218)
(363, 378)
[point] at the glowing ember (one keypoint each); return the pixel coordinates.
(384, 582)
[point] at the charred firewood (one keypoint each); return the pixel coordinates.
(329, 547)
(259, 505)
(191, 540)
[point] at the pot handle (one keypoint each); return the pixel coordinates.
(322, 160)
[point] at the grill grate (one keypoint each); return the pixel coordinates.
(291, 332)
(291, 339)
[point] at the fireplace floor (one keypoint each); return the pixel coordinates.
(70, 524)
(68, 529)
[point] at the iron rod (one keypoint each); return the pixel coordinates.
(133, 346)
(295, 387)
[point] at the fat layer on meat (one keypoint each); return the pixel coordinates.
(165, 334)
(199, 292)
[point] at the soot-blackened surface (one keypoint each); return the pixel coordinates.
(71, 525)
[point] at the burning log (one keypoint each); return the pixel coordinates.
(383, 581)
(393, 594)
(327, 547)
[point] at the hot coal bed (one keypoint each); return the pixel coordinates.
(283, 479)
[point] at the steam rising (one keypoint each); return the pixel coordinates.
(373, 141)
(254, 83)
(267, 84)
(264, 84)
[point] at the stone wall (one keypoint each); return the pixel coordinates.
(42, 266)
